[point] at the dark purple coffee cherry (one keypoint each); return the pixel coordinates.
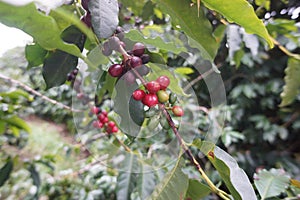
(145, 58)
(119, 29)
(106, 50)
(135, 61)
(114, 43)
(85, 4)
(115, 70)
(138, 49)
(87, 20)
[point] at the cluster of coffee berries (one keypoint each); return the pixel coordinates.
(136, 59)
(103, 121)
(155, 92)
(87, 17)
(72, 75)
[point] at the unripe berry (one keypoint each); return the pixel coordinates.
(138, 49)
(153, 87)
(138, 95)
(178, 111)
(163, 81)
(150, 100)
(135, 61)
(163, 96)
(115, 70)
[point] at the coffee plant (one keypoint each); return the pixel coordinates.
(149, 102)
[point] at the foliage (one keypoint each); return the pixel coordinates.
(193, 43)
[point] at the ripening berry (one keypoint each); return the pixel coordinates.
(97, 124)
(163, 81)
(115, 70)
(135, 61)
(178, 111)
(138, 49)
(163, 96)
(95, 110)
(150, 100)
(153, 87)
(138, 94)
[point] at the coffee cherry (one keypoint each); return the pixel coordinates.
(85, 4)
(97, 124)
(95, 110)
(138, 95)
(163, 96)
(145, 58)
(101, 117)
(163, 81)
(106, 50)
(115, 70)
(138, 49)
(153, 87)
(105, 120)
(70, 77)
(119, 29)
(115, 129)
(114, 43)
(173, 98)
(150, 100)
(135, 61)
(111, 124)
(178, 111)
(103, 112)
(87, 19)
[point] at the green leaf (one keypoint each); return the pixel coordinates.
(197, 190)
(136, 111)
(292, 82)
(157, 42)
(58, 64)
(34, 174)
(17, 122)
(185, 17)
(271, 183)
(41, 27)
(136, 6)
(159, 71)
(126, 178)
(247, 19)
(5, 172)
(233, 176)
(173, 186)
(104, 17)
(184, 70)
(145, 182)
(35, 55)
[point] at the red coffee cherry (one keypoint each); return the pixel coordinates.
(115, 70)
(111, 124)
(95, 110)
(150, 100)
(153, 87)
(163, 81)
(97, 124)
(138, 94)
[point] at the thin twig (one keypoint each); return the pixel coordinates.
(199, 78)
(32, 91)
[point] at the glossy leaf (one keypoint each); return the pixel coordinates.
(5, 172)
(41, 27)
(271, 183)
(197, 190)
(233, 176)
(185, 18)
(58, 64)
(247, 19)
(173, 186)
(104, 17)
(126, 179)
(157, 42)
(35, 55)
(145, 182)
(34, 174)
(292, 82)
